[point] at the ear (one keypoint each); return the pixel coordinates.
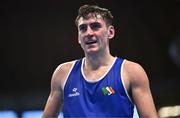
(111, 32)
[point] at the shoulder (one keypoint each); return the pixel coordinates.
(135, 72)
(64, 67)
(61, 72)
(132, 67)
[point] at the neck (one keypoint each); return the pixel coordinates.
(94, 62)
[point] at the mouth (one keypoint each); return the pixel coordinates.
(90, 42)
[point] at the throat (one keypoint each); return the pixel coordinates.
(96, 73)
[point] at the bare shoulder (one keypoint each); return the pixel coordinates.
(136, 73)
(132, 66)
(61, 73)
(63, 68)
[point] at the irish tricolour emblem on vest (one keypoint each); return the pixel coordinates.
(108, 90)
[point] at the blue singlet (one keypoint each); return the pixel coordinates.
(104, 98)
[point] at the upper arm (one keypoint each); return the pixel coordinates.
(55, 99)
(141, 93)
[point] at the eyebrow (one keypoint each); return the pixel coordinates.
(82, 25)
(95, 23)
(89, 23)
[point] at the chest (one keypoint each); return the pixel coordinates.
(106, 95)
(93, 84)
(95, 75)
(79, 89)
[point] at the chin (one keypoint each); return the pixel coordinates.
(91, 51)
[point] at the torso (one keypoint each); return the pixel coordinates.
(92, 92)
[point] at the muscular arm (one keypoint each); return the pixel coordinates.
(55, 99)
(141, 93)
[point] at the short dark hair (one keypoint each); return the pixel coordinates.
(85, 10)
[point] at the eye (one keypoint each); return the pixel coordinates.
(83, 27)
(95, 26)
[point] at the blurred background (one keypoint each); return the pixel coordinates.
(38, 35)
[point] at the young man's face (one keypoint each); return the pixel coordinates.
(94, 34)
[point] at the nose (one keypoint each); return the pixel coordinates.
(89, 31)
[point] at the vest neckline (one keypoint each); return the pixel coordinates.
(98, 79)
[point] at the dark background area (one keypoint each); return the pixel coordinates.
(37, 35)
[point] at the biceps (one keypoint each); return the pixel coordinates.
(143, 100)
(141, 94)
(55, 98)
(54, 103)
